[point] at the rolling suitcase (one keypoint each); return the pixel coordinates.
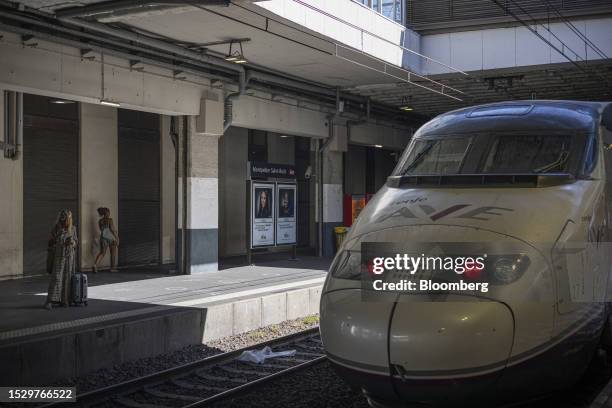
(78, 289)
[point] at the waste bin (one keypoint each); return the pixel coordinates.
(340, 233)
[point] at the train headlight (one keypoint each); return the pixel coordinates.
(505, 269)
(347, 266)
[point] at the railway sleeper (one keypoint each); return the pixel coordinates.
(169, 395)
(209, 377)
(238, 371)
(308, 354)
(308, 348)
(198, 387)
(126, 402)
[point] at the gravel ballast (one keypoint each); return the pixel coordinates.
(313, 387)
(138, 368)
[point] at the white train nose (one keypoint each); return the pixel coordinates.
(433, 351)
(461, 340)
(355, 334)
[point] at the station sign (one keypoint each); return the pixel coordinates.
(269, 170)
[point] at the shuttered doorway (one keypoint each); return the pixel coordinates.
(50, 173)
(139, 188)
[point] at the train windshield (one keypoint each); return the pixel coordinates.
(505, 154)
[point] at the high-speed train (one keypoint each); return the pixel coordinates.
(525, 182)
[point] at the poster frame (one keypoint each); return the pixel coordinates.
(252, 204)
(294, 187)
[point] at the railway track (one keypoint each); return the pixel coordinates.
(211, 379)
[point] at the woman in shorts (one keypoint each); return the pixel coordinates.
(109, 238)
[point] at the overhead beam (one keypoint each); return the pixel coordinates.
(123, 5)
(230, 41)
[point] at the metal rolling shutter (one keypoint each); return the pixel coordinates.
(50, 174)
(139, 188)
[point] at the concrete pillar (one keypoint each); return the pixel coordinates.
(332, 192)
(99, 176)
(233, 155)
(11, 203)
(202, 223)
(168, 193)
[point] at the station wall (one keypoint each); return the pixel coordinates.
(203, 199)
(389, 137)
(366, 168)
(98, 187)
(51, 69)
(355, 170)
(261, 114)
(281, 150)
(98, 175)
(233, 158)
(509, 47)
(60, 71)
(11, 215)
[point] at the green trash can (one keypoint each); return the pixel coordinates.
(340, 233)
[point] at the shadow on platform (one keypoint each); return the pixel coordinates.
(144, 312)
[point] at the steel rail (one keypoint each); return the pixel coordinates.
(135, 384)
(244, 388)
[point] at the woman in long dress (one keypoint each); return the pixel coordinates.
(62, 241)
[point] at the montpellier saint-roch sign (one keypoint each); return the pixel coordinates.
(259, 169)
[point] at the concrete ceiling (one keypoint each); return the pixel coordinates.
(280, 45)
(280, 48)
(52, 5)
(275, 43)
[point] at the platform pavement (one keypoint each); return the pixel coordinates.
(140, 313)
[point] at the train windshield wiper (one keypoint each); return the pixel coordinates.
(563, 156)
(419, 158)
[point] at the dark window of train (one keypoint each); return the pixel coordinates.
(529, 153)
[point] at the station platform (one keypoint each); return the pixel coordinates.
(142, 312)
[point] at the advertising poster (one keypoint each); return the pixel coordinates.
(262, 210)
(286, 224)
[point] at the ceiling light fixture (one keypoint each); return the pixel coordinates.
(61, 101)
(407, 104)
(377, 146)
(236, 56)
(109, 103)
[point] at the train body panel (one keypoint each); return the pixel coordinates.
(461, 338)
